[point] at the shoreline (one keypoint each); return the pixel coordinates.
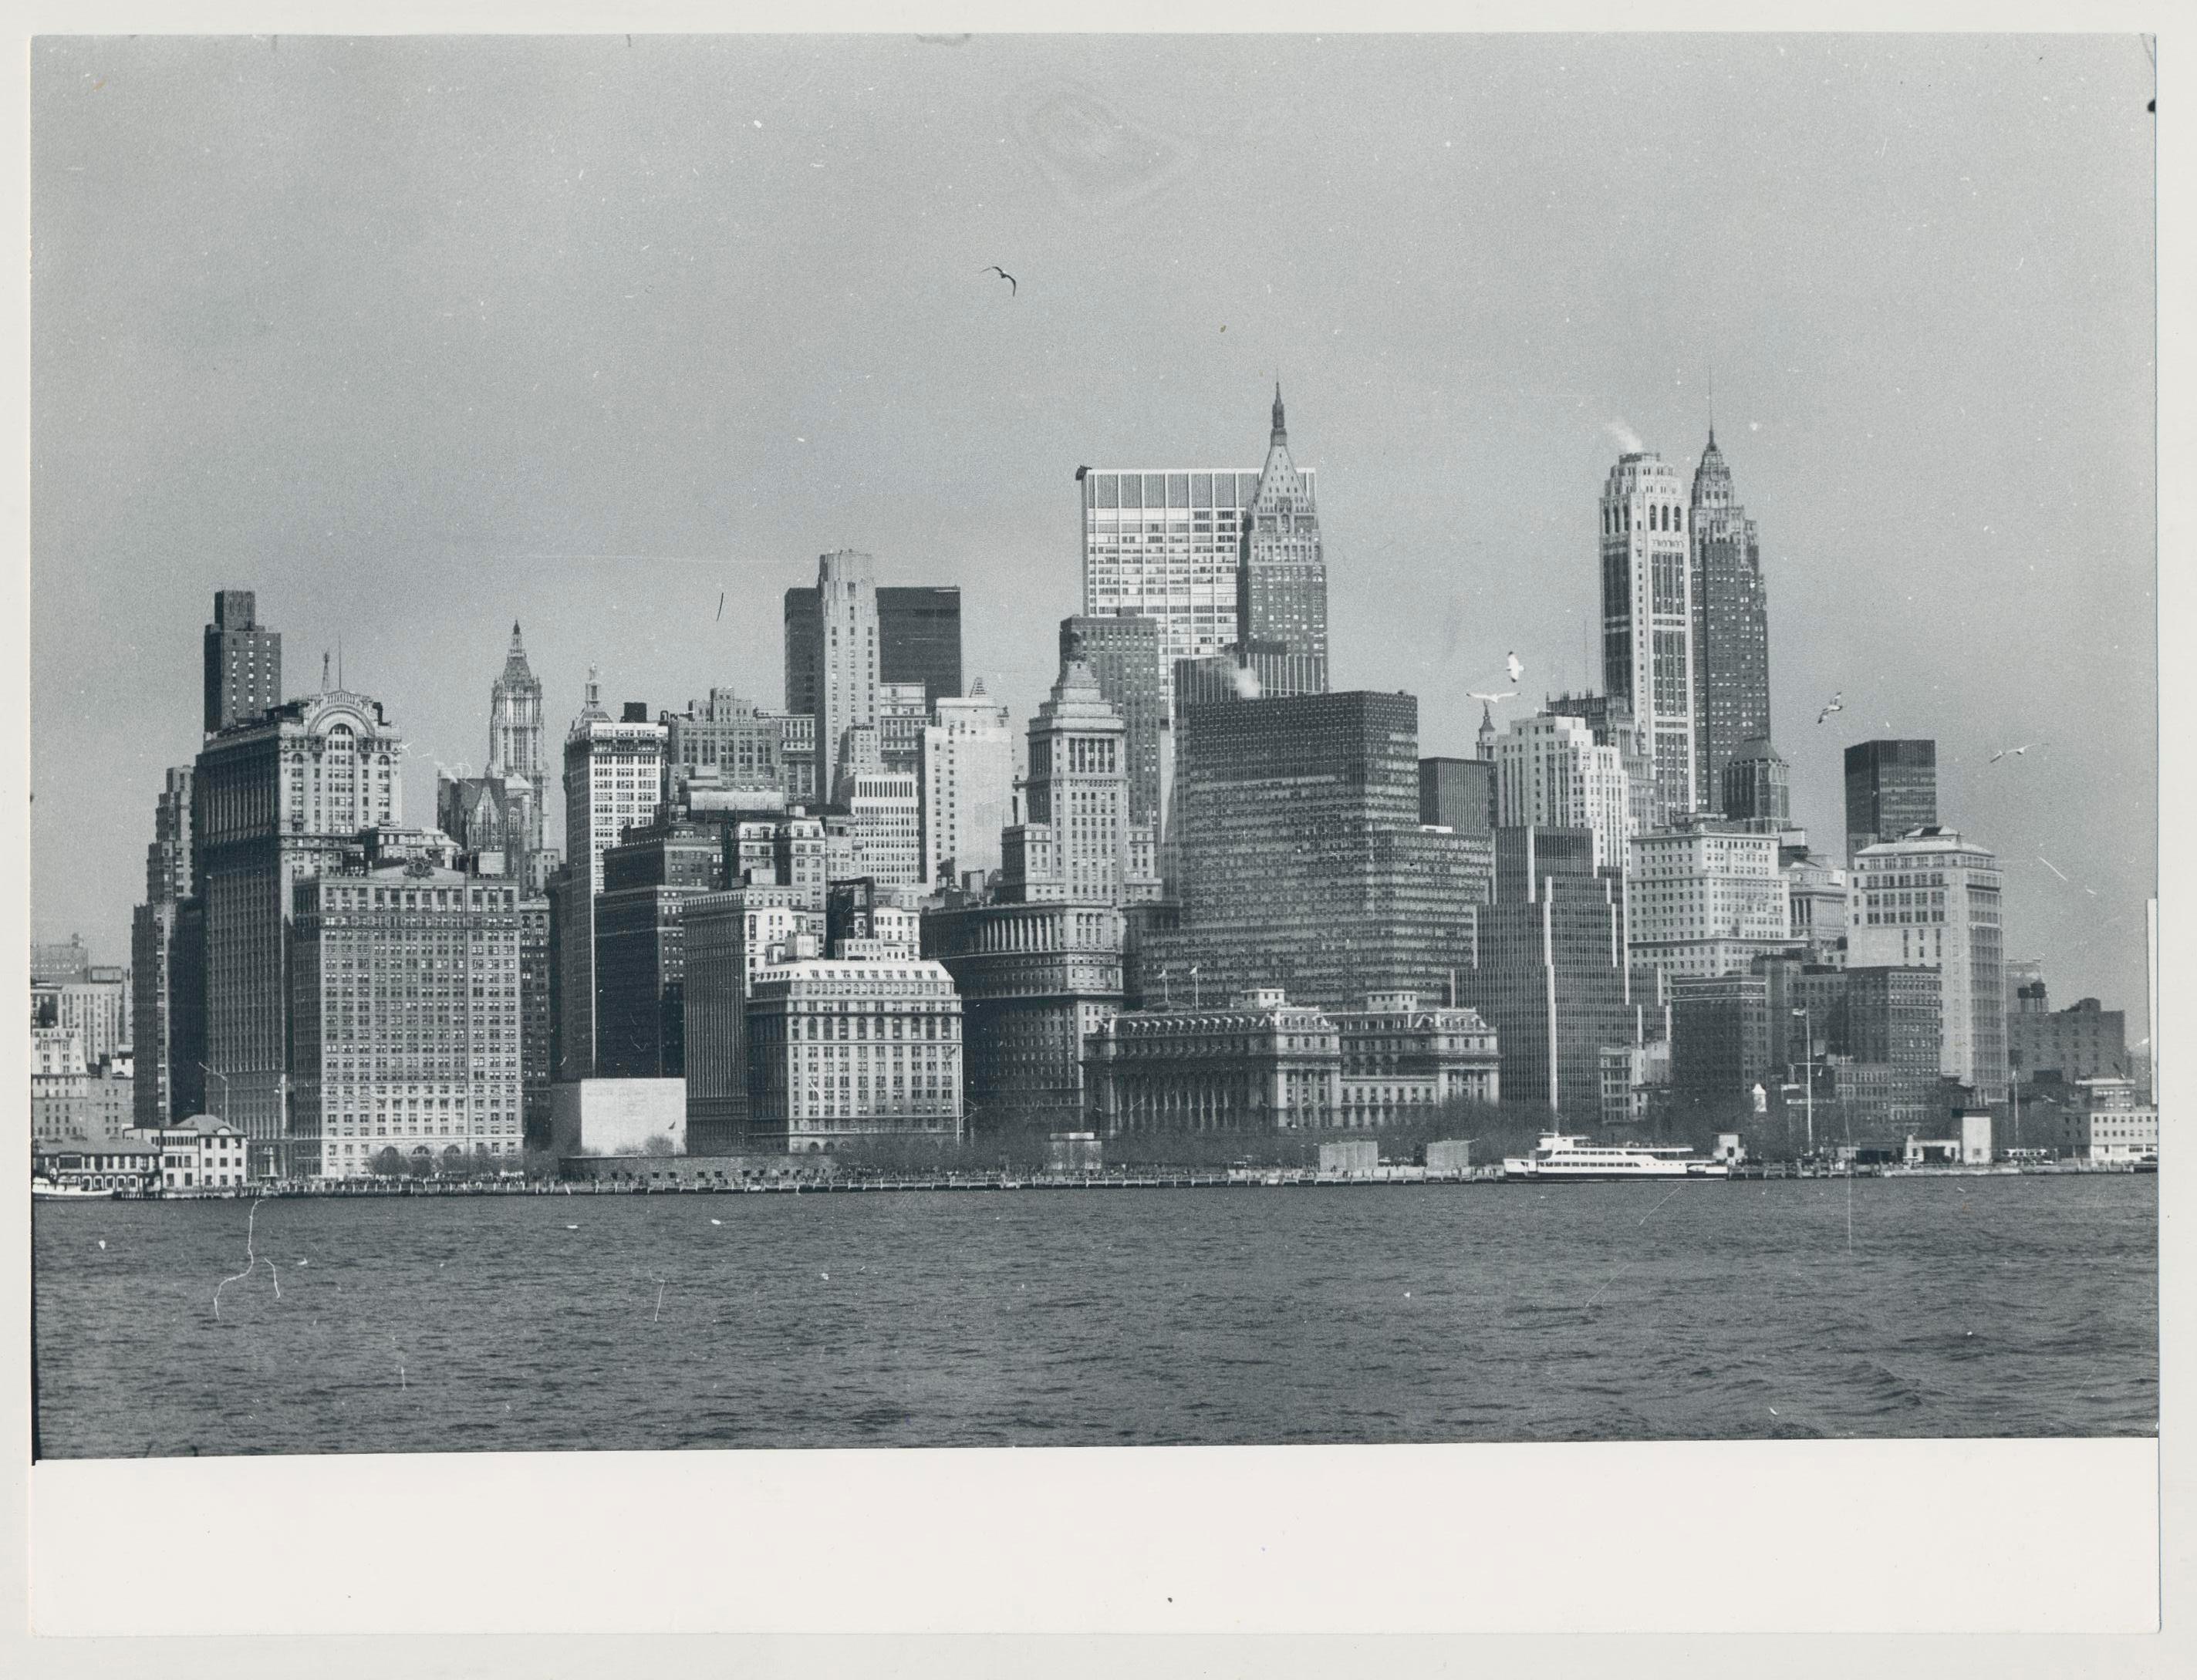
(1159, 1179)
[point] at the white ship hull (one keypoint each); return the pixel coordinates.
(42, 1192)
(1558, 1156)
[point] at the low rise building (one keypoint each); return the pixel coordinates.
(202, 1153)
(130, 1164)
(618, 1117)
(2084, 1042)
(1265, 1064)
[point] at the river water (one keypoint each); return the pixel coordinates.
(1964, 1306)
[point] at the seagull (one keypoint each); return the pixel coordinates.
(1510, 663)
(1507, 694)
(1013, 290)
(2013, 752)
(717, 1222)
(1838, 703)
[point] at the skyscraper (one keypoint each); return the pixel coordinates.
(844, 686)
(1303, 863)
(1891, 790)
(613, 781)
(1757, 786)
(1281, 579)
(1647, 619)
(407, 1029)
(1613, 724)
(919, 640)
(1549, 773)
(1732, 628)
(243, 664)
(272, 802)
(1122, 651)
(725, 741)
(1077, 844)
(1168, 545)
(1932, 900)
(514, 734)
(1547, 969)
(966, 774)
(154, 954)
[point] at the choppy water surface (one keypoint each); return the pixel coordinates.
(1967, 1306)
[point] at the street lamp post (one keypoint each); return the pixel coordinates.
(1808, 1072)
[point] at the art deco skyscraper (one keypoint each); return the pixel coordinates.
(1281, 577)
(243, 664)
(844, 658)
(1647, 619)
(1731, 628)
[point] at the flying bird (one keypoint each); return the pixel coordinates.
(1508, 694)
(1013, 290)
(2013, 752)
(1510, 663)
(1838, 703)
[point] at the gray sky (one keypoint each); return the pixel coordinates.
(418, 336)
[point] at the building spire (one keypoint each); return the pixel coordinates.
(324, 670)
(1281, 432)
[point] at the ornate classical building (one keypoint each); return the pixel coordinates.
(516, 755)
(1263, 1063)
(273, 802)
(840, 1051)
(408, 1033)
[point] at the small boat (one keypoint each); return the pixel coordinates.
(45, 1189)
(1558, 1156)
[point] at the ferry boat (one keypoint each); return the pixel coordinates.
(45, 1189)
(1559, 1156)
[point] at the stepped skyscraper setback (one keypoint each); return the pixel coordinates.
(1731, 628)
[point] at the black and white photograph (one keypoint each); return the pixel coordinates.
(1101, 741)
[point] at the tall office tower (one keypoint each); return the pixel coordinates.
(1647, 619)
(153, 952)
(273, 802)
(1039, 968)
(967, 775)
(407, 1031)
(1168, 545)
(1457, 793)
(515, 752)
(1548, 969)
(1731, 628)
(1303, 862)
(919, 640)
(1932, 900)
(1891, 790)
(1613, 724)
(1707, 899)
(243, 664)
(1077, 842)
(1756, 786)
(536, 1028)
(1281, 579)
(884, 820)
(639, 954)
(613, 781)
(727, 742)
(893, 1068)
(902, 711)
(613, 778)
(844, 675)
(1122, 651)
(1551, 774)
(729, 938)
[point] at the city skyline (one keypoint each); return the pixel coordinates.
(1410, 608)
